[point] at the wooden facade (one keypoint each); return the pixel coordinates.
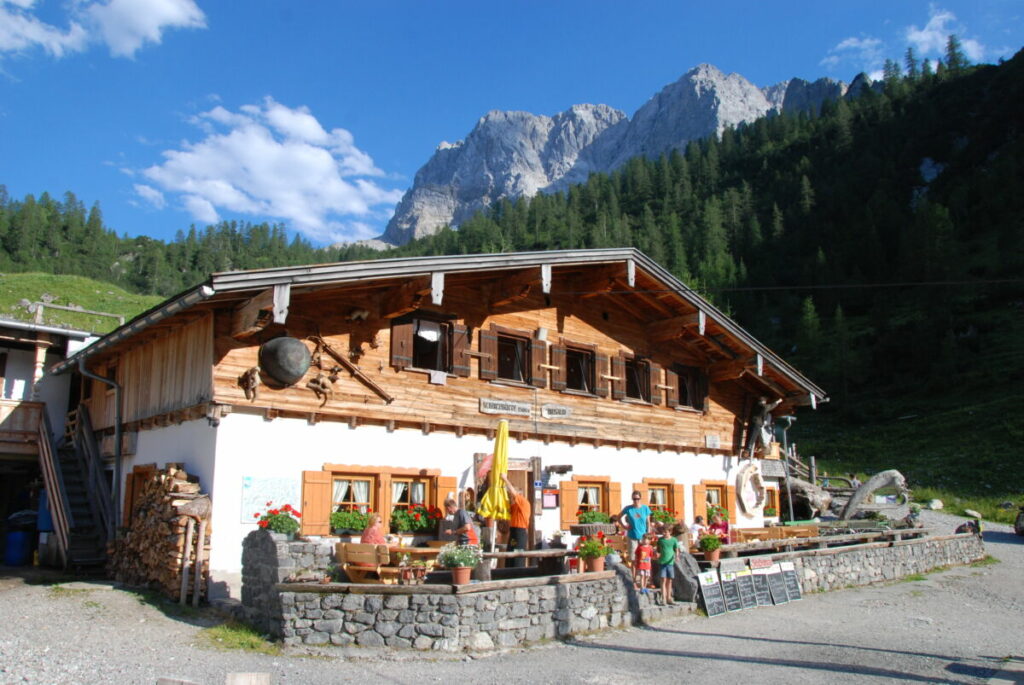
(600, 348)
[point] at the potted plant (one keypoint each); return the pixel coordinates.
(461, 559)
(283, 520)
(711, 546)
(714, 510)
(415, 519)
(592, 550)
(663, 516)
(349, 521)
(591, 523)
(771, 511)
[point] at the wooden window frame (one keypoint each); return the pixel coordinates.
(428, 490)
(535, 362)
(317, 491)
(372, 490)
(568, 496)
(700, 499)
(676, 494)
(689, 380)
(455, 343)
(771, 500)
(518, 369)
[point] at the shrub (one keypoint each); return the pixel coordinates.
(352, 519)
(709, 543)
(415, 519)
(592, 547)
(592, 517)
(453, 556)
(279, 520)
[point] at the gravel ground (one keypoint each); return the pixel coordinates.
(956, 626)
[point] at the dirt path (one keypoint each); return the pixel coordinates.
(952, 626)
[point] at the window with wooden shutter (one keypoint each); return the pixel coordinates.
(568, 502)
(654, 372)
(618, 377)
(558, 360)
(700, 503)
(601, 375)
(316, 501)
(460, 348)
(538, 357)
(614, 506)
(447, 486)
(488, 354)
(678, 501)
(671, 388)
(691, 386)
(401, 344)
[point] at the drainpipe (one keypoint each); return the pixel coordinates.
(116, 490)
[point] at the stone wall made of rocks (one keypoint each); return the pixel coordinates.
(831, 569)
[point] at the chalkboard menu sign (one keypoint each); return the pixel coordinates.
(731, 591)
(711, 593)
(777, 585)
(792, 582)
(745, 582)
(761, 591)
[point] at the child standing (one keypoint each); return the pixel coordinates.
(668, 550)
(642, 567)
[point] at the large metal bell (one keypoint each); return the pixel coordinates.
(284, 360)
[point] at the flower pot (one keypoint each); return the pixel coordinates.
(595, 564)
(461, 575)
(712, 555)
(589, 529)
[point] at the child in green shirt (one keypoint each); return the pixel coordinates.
(668, 550)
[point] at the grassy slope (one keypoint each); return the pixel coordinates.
(958, 439)
(70, 291)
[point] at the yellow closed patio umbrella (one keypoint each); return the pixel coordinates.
(494, 504)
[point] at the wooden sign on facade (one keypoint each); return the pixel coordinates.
(511, 407)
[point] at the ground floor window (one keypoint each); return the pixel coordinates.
(353, 494)
(409, 492)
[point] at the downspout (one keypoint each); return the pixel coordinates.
(116, 490)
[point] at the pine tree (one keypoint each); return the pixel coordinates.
(956, 60)
(910, 62)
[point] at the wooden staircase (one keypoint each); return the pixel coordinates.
(82, 513)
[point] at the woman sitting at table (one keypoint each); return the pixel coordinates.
(373, 534)
(719, 527)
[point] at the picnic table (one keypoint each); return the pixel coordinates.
(552, 562)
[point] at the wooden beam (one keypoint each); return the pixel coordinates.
(256, 313)
(519, 285)
(408, 297)
(725, 371)
(604, 279)
(669, 329)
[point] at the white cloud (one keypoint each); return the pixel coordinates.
(123, 25)
(273, 161)
(862, 54)
(931, 40)
(150, 195)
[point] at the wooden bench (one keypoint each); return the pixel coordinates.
(359, 560)
(740, 535)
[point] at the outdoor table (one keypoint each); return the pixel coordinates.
(552, 562)
(415, 553)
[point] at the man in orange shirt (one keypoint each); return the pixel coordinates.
(519, 523)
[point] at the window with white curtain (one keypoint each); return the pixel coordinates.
(590, 496)
(352, 493)
(658, 497)
(409, 492)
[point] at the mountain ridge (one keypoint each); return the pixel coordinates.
(511, 154)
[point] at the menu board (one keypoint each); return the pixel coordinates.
(745, 582)
(777, 585)
(731, 591)
(711, 593)
(792, 582)
(761, 591)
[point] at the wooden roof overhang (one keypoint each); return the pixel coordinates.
(672, 313)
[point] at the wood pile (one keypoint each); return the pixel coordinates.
(168, 536)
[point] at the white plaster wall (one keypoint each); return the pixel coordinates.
(53, 390)
(248, 445)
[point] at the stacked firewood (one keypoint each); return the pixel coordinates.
(168, 536)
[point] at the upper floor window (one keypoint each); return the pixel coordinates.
(429, 343)
(579, 370)
(687, 386)
(638, 380)
(513, 358)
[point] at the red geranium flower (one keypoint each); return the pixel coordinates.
(255, 516)
(263, 524)
(296, 514)
(270, 502)
(600, 535)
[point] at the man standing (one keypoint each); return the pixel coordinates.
(459, 523)
(636, 519)
(519, 522)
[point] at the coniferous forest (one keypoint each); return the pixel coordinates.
(877, 243)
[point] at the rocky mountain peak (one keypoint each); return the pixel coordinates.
(512, 154)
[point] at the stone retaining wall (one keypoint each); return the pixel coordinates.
(830, 569)
(516, 612)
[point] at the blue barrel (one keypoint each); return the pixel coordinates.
(18, 550)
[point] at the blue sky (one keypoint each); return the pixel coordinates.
(317, 114)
